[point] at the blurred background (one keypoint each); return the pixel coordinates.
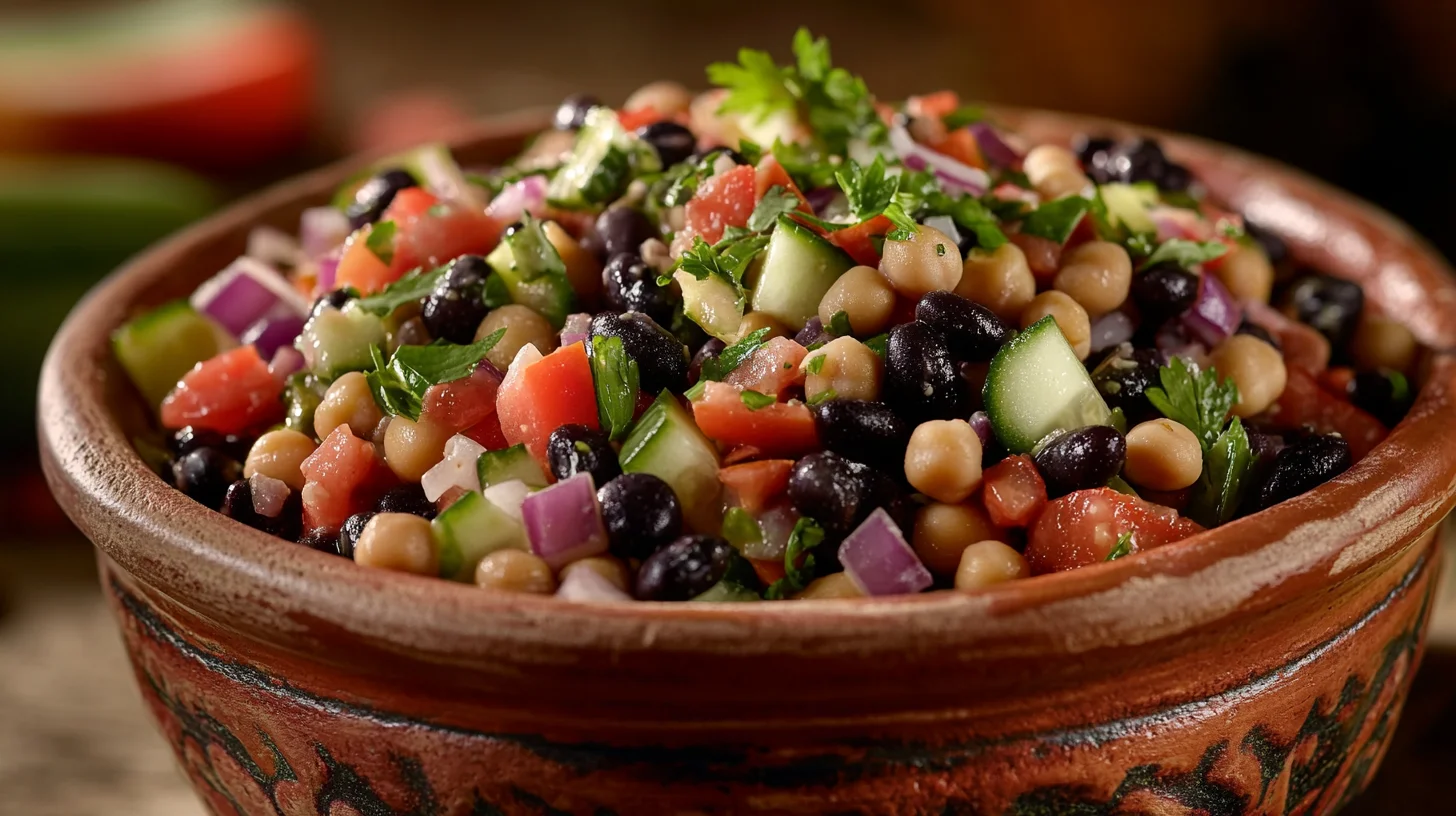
(122, 120)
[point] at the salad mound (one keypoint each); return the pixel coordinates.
(777, 340)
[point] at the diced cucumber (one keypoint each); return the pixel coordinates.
(336, 341)
(302, 393)
(798, 268)
(548, 293)
(667, 443)
(601, 164)
(157, 348)
(738, 585)
(1036, 385)
(433, 167)
(711, 303)
(1128, 204)
(512, 464)
(469, 530)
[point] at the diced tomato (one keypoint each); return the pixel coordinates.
(360, 268)
(230, 393)
(1082, 528)
(752, 485)
(1084, 232)
(960, 144)
(410, 202)
(1304, 348)
(770, 174)
(462, 403)
(768, 570)
(782, 429)
(724, 200)
(1043, 255)
(1337, 380)
(554, 391)
(859, 241)
(344, 476)
(741, 454)
(773, 368)
(488, 433)
(939, 104)
(438, 233)
(638, 117)
(1013, 492)
(1305, 403)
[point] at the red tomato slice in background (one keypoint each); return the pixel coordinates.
(429, 232)
(773, 368)
(554, 391)
(344, 476)
(1304, 402)
(752, 485)
(1013, 492)
(1082, 528)
(782, 429)
(636, 118)
(859, 241)
(360, 268)
(960, 144)
(1303, 347)
(937, 103)
(230, 393)
(724, 200)
(462, 403)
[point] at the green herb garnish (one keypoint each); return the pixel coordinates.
(839, 325)
(616, 377)
(816, 364)
(879, 344)
(380, 241)
(962, 116)
(755, 400)
(1186, 254)
(823, 396)
(723, 364)
(1220, 490)
(728, 259)
(399, 386)
(807, 535)
(1055, 220)
(776, 202)
(1123, 547)
(867, 189)
(414, 286)
(1198, 400)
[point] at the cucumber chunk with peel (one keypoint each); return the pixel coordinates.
(1036, 385)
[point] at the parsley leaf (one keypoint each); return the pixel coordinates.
(962, 116)
(823, 396)
(496, 294)
(1220, 490)
(868, 190)
(879, 344)
(750, 150)
(755, 84)
(972, 215)
(776, 202)
(905, 226)
(1123, 547)
(839, 325)
(380, 241)
(920, 196)
(1198, 400)
(532, 255)
(816, 364)
(807, 535)
(808, 166)
(1055, 220)
(720, 366)
(740, 528)
(412, 287)
(754, 400)
(616, 377)
(399, 385)
(727, 259)
(1185, 253)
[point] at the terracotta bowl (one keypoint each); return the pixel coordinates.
(1259, 668)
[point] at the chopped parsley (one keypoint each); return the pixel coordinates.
(754, 400)
(728, 259)
(412, 287)
(816, 364)
(1055, 220)
(616, 378)
(963, 116)
(719, 367)
(879, 344)
(1121, 548)
(1185, 253)
(1198, 400)
(839, 325)
(823, 396)
(399, 385)
(867, 189)
(807, 535)
(776, 202)
(809, 166)
(920, 196)
(380, 241)
(1220, 490)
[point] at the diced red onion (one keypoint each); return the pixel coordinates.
(273, 331)
(328, 270)
(243, 293)
(457, 469)
(1177, 222)
(509, 496)
(1173, 341)
(321, 229)
(274, 247)
(564, 522)
(981, 424)
(951, 173)
(584, 586)
(286, 360)
(526, 195)
(945, 224)
(775, 523)
(878, 560)
(1111, 329)
(994, 146)
(1214, 316)
(269, 495)
(813, 332)
(820, 197)
(576, 329)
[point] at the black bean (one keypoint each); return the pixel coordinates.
(684, 569)
(1330, 305)
(454, 310)
(288, 523)
(641, 512)
(662, 360)
(1081, 459)
(866, 432)
(832, 490)
(738, 158)
(571, 113)
(348, 536)
(375, 195)
(622, 230)
(1088, 147)
(1164, 291)
(190, 439)
(574, 449)
(922, 381)
(1124, 377)
(1377, 393)
(712, 348)
(1301, 467)
(1255, 330)
(673, 142)
(406, 498)
(975, 333)
(335, 299)
(325, 541)
(204, 474)
(630, 285)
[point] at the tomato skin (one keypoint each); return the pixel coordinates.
(554, 391)
(768, 570)
(1337, 380)
(782, 429)
(1304, 402)
(344, 476)
(859, 242)
(939, 104)
(1082, 528)
(411, 202)
(360, 268)
(438, 232)
(754, 484)
(462, 403)
(488, 433)
(724, 200)
(772, 368)
(1303, 347)
(770, 174)
(960, 144)
(1043, 255)
(1013, 492)
(230, 393)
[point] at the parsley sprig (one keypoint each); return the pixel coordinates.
(1196, 399)
(730, 358)
(399, 385)
(616, 378)
(807, 535)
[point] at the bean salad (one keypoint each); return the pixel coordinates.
(777, 340)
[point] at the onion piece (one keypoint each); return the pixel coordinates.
(243, 293)
(994, 146)
(1177, 222)
(813, 332)
(509, 496)
(327, 271)
(945, 224)
(1111, 329)
(526, 195)
(583, 586)
(275, 248)
(269, 495)
(321, 229)
(878, 560)
(1215, 315)
(1173, 341)
(981, 424)
(820, 197)
(273, 331)
(948, 171)
(286, 360)
(775, 523)
(457, 469)
(576, 329)
(564, 522)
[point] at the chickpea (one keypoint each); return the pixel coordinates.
(1070, 316)
(1256, 367)
(1380, 342)
(1097, 275)
(1162, 455)
(664, 96)
(848, 368)
(523, 325)
(515, 571)
(837, 585)
(1044, 160)
(1246, 273)
(606, 566)
(279, 454)
(987, 563)
(943, 460)
(1001, 280)
(582, 268)
(1063, 183)
(753, 321)
(401, 542)
(865, 297)
(347, 402)
(942, 531)
(411, 448)
(927, 261)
